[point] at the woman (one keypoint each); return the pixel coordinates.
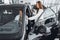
(37, 11)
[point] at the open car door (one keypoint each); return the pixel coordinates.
(10, 29)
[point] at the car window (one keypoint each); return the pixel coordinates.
(48, 13)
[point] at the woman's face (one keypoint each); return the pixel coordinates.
(37, 5)
(20, 13)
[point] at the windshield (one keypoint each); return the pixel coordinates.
(48, 13)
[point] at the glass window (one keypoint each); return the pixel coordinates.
(48, 13)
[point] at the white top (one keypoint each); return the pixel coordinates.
(36, 15)
(17, 19)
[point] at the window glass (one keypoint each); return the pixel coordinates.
(48, 13)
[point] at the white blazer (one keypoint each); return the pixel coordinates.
(36, 15)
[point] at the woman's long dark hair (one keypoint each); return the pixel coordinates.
(40, 5)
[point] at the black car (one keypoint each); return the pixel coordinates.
(9, 28)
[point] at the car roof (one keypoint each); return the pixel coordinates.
(12, 6)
